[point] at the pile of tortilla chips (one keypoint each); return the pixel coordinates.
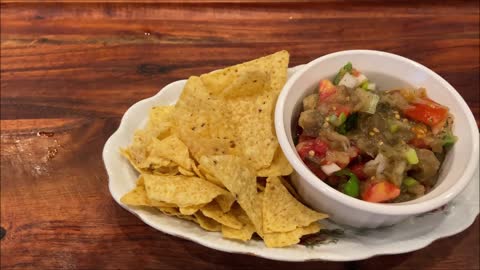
(214, 158)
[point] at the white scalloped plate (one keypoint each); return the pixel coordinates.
(412, 234)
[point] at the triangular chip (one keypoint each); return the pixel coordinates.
(159, 115)
(170, 211)
(283, 239)
(136, 197)
(282, 212)
(190, 210)
(243, 234)
(207, 223)
(197, 171)
(181, 190)
(160, 121)
(275, 65)
(170, 149)
(202, 121)
(240, 180)
(280, 166)
(249, 83)
(185, 172)
(225, 201)
(213, 211)
(228, 113)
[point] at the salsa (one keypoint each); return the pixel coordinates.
(377, 146)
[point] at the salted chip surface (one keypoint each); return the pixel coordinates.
(136, 197)
(185, 172)
(230, 111)
(225, 201)
(213, 211)
(170, 211)
(283, 239)
(279, 166)
(207, 223)
(239, 178)
(160, 121)
(275, 65)
(282, 212)
(171, 149)
(245, 232)
(202, 121)
(190, 210)
(181, 190)
(249, 83)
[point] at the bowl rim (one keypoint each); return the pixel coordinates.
(377, 208)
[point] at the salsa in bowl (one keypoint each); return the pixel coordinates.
(378, 146)
(402, 77)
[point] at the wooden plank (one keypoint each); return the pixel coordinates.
(70, 70)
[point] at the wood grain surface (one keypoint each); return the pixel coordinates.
(70, 70)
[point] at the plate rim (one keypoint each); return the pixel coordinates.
(406, 247)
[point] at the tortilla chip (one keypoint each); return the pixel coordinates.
(202, 121)
(185, 172)
(243, 234)
(213, 211)
(225, 202)
(249, 83)
(279, 166)
(207, 223)
(159, 114)
(283, 239)
(282, 212)
(197, 171)
(181, 190)
(160, 204)
(227, 113)
(136, 197)
(291, 189)
(255, 137)
(160, 121)
(190, 210)
(170, 211)
(275, 65)
(169, 149)
(140, 181)
(240, 180)
(207, 175)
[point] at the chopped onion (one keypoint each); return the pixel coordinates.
(330, 168)
(372, 105)
(348, 81)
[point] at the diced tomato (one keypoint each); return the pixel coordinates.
(355, 73)
(357, 169)
(304, 147)
(318, 146)
(428, 112)
(381, 192)
(339, 109)
(326, 89)
(418, 143)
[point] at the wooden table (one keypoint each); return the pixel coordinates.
(69, 72)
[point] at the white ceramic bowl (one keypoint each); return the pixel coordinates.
(387, 71)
